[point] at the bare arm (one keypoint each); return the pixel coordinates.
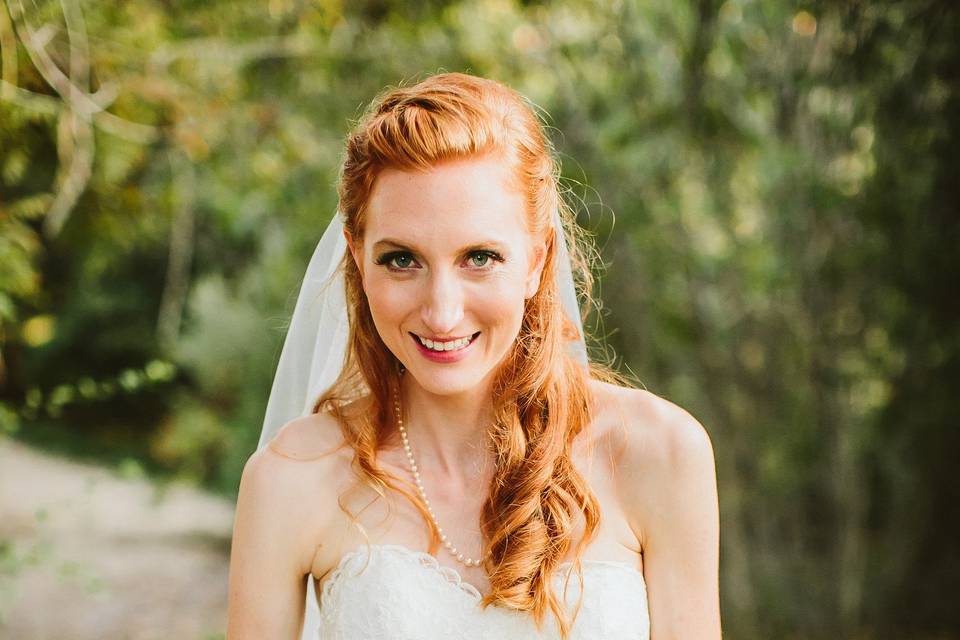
(668, 481)
(269, 557)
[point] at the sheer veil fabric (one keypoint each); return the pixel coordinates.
(315, 346)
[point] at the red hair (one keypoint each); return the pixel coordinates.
(541, 398)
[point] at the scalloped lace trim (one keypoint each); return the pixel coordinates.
(449, 574)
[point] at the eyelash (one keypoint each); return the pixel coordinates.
(387, 258)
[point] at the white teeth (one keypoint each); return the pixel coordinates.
(453, 345)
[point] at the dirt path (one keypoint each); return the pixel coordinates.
(85, 554)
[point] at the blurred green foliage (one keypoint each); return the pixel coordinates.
(773, 186)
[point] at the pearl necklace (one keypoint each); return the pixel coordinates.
(423, 494)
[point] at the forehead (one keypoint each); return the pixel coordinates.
(456, 198)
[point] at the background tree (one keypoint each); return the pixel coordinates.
(773, 187)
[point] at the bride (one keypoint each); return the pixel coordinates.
(439, 458)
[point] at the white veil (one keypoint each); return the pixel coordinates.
(315, 346)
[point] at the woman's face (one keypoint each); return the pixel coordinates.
(447, 264)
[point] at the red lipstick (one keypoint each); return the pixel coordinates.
(445, 356)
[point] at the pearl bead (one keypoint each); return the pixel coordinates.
(470, 562)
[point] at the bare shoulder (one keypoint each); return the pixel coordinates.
(644, 428)
(311, 437)
(285, 502)
(659, 450)
(302, 465)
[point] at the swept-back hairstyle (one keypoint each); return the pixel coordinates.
(541, 397)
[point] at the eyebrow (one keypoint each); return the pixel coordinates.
(387, 243)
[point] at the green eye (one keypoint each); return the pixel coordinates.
(484, 259)
(480, 259)
(404, 261)
(396, 260)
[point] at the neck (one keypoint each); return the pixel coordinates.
(449, 432)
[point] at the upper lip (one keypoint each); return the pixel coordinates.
(439, 339)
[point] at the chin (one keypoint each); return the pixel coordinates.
(445, 383)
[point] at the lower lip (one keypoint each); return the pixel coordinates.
(445, 356)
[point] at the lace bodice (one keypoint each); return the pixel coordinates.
(397, 593)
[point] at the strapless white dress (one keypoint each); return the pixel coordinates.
(401, 594)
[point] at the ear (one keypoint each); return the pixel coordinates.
(538, 259)
(356, 251)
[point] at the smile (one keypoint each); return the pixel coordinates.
(456, 344)
(449, 351)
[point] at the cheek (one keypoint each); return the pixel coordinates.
(388, 302)
(506, 295)
(497, 301)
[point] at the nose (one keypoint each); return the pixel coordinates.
(442, 306)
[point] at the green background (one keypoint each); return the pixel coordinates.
(772, 186)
